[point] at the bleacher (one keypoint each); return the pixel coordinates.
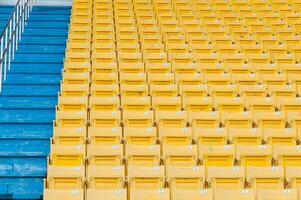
(179, 99)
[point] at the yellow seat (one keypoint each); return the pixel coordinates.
(104, 136)
(189, 78)
(181, 177)
(223, 90)
(106, 177)
(280, 136)
(210, 136)
(133, 78)
(259, 90)
(288, 156)
(182, 63)
(180, 155)
(210, 64)
(197, 104)
(216, 155)
(193, 90)
(135, 103)
(71, 119)
(245, 136)
(146, 177)
(104, 90)
(149, 194)
(94, 194)
(261, 104)
(175, 136)
(67, 155)
(270, 119)
(234, 194)
(133, 118)
(205, 119)
(269, 177)
(164, 90)
(105, 78)
(277, 194)
(245, 79)
(161, 78)
(217, 79)
(273, 79)
(238, 119)
(75, 78)
(140, 136)
(142, 155)
(182, 194)
(229, 104)
(289, 103)
(226, 177)
(74, 89)
(65, 177)
(66, 194)
(171, 119)
(105, 155)
(101, 119)
(167, 103)
(69, 136)
(155, 68)
(254, 155)
(155, 58)
(130, 62)
(97, 103)
(134, 90)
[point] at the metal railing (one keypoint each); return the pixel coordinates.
(11, 35)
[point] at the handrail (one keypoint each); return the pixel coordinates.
(11, 35)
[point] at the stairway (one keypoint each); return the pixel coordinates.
(5, 11)
(27, 103)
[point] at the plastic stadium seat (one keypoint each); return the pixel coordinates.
(135, 103)
(167, 103)
(156, 68)
(143, 155)
(105, 155)
(164, 90)
(205, 119)
(138, 118)
(76, 78)
(106, 177)
(100, 119)
(245, 136)
(175, 136)
(216, 155)
(261, 104)
(134, 90)
(72, 194)
(197, 104)
(151, 194)
(189, 78)
(288, 156)
(94, 194)
(193, 90)
(146, 177)
(227, 194)
(71, 119)
(289, 103)
(230, 177)
(180, 155)
(74, 89)
(104, 89)
(254, 155)
(273, 79)
(271, 177)
(161, 78)
(105, 78)
(282, 136)
(293, 118)
(270, 119)
(238, 119)
(97, 103)
(202, 194)
(229, 104)
(223, 90)
(140, 136)
(210, 136)
(133, 78)
(259, 90)
(69, 136)
(65, 177)
(171, 119)
(245, 79)
(103, 136)
(67, 155)
(281, 194)
(185, 177)
(182, 62)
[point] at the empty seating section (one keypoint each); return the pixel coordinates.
(179, 99)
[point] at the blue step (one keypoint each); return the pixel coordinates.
(5, 12)
(21, 188)
(23, 166)
(27, 102)
(26, 131)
